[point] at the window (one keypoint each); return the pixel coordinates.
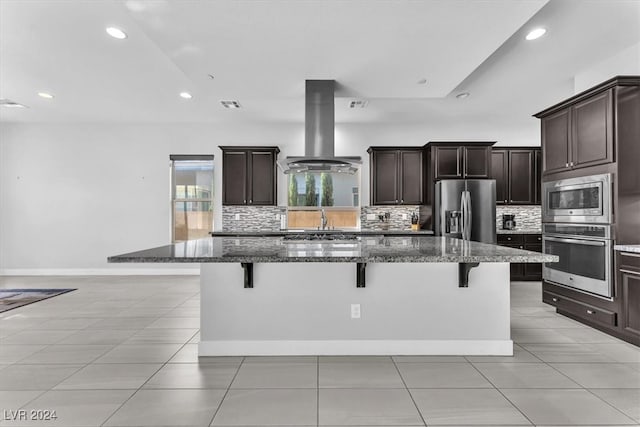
(191, 196)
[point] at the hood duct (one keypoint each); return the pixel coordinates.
(319, 140)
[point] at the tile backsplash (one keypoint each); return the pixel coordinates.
(528, 217)
(266, 218)
(252, 218)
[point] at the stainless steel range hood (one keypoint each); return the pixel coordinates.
(319, 142)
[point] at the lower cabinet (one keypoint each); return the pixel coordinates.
(528, 242)
(628, 278)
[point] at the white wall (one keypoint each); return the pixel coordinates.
(73, 194)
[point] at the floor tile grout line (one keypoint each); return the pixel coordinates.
(503, 395)
(424, 422)
(142, 385)
(224, 396)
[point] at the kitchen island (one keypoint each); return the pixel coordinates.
(363, 294)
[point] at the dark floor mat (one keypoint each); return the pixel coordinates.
(14, 298)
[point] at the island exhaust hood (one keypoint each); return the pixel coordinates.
(319, 142)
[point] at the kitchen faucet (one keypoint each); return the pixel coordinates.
(323, 219)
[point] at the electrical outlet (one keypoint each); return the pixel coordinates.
(371, 217)
(355, 311)
(404, 216)
(237, 217)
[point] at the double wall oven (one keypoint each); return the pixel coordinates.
(577, 226)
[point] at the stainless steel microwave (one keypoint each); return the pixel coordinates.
(584, 200)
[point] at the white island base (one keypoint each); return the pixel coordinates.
(305, 309)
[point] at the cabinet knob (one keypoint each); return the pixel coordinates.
(521, 247)
(508, 238)
(250, 200)
(402, 201)
(244, 201)
(539, 239)
(396, 200)
(571, 164)
(591, 312)
(554, 299)
(566, 165)
(505, 201)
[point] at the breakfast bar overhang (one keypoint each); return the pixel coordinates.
(271, 295)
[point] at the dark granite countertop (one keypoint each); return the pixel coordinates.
(268, 233)
(367, 248)
(520, 231)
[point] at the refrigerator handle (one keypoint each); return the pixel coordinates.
(463, 215)
(469, 216)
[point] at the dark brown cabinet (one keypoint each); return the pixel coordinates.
(460, 160)
(579, 135)
(517, 181)
(629, 286)
(528, 242)
(249, 175)
(396, 175)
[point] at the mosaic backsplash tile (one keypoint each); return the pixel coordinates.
(528, 217)
(252, 218)
(395, 222)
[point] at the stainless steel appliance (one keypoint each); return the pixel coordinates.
(466, 209)
(583, 200)
(508, 221)
(585, 253)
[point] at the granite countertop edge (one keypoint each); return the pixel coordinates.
(628, 248)
(518, 231)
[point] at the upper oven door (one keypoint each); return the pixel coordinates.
(584, 200)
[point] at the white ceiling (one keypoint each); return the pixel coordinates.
(261, 51)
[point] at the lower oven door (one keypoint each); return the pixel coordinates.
(585, 264)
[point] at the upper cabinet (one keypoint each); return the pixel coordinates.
(249, 175)
(396, 175)
(579, 134)
(460, 160)
(517, 175)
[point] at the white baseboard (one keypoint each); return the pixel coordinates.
(357, 348)
(100, 271)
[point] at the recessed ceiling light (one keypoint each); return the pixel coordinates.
(422, 81)
(535, 33)
(463, 95)
(11, 104)
(45, 95)
(186, 95)
(116, 33)
(230, 104)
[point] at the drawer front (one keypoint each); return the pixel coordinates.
(630, 261)
(533, 238)
(510, 239)
(580, 309)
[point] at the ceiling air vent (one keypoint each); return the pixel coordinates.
(11, 104)
(230, 104)
(358, 103)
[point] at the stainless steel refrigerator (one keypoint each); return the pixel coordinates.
(466, 209)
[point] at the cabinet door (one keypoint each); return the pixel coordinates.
(262, 180)
(555, 141)
(477, 162)
(447, 162)
(384, 178)
(411, 177)
(499, 172)
(521, 176)
(533, 270)
(234, 177)
(592, 124)
(537, 184)
(629, 276)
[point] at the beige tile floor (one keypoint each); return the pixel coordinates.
(122, 351)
